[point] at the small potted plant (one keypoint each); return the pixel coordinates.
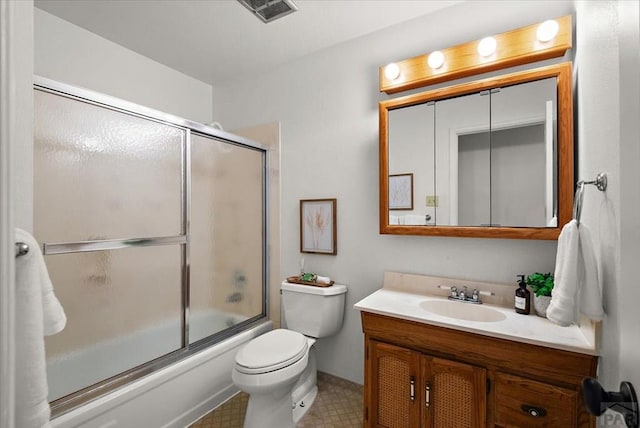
(541, 284)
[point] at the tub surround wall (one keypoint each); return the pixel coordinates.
(327, 106)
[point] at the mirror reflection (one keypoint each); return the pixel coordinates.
(487, 158)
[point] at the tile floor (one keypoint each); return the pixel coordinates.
(338, 405)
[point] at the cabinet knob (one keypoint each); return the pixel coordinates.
(536, 412)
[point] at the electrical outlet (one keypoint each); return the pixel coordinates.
(432, 201)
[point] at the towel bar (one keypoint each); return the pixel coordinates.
(600, 182)
(21, 249)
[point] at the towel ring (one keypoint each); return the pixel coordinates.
(601, 184)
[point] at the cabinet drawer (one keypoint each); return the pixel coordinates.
(521, 402)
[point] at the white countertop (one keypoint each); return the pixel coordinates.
(520, 328)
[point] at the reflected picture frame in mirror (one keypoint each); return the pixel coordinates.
(401, 191)
(561, 186)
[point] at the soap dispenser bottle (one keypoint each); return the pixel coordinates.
(523, 297)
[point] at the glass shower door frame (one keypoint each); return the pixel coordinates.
(71, 401)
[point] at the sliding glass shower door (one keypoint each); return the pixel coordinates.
(153, 232)
(226, 272)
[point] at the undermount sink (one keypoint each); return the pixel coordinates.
(462, 311)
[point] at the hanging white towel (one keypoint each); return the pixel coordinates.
(590, 291)
(38, 313)
(576, 286)
(563, 307)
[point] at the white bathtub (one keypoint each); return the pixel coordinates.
(174, 396)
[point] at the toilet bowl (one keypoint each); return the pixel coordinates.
(267, 368)
(278, 369)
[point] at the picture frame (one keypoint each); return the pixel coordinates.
(318, 232)
(401, 191)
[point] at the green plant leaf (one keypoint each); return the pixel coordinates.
(540, 283)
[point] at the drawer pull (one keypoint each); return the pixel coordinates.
(536, 412)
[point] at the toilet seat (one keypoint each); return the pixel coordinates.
(271, 351)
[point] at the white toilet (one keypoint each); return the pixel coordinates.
(278, 369)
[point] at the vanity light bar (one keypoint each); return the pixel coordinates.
(524, 45)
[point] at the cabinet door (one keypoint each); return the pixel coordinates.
(455, 394)
(393, 386)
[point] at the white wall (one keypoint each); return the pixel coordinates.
(629, 41)
(70, 54)
(16, 134)
(608, 109)
(327, 106)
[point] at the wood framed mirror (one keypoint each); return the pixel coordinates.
(491, 158)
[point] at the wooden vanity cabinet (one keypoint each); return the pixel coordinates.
(419, 375)
(411, 389)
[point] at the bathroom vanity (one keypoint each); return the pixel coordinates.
(432, 362)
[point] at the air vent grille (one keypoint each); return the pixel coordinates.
(269, 10)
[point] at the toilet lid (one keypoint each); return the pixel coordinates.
(271, 351)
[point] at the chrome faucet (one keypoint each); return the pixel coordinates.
(463, 295)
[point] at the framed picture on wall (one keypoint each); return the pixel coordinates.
(401, 191)
(318, 226)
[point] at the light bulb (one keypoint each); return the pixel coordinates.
(392, 71)
(436, 59)
(547, 30)
(487, 46)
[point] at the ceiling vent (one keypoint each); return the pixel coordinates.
(269, 10)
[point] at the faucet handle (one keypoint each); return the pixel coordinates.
(453, 291)
(463, 293)
(476, 294)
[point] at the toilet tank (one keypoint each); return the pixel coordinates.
(313, 311)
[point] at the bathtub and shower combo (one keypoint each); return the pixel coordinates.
(154, 232)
